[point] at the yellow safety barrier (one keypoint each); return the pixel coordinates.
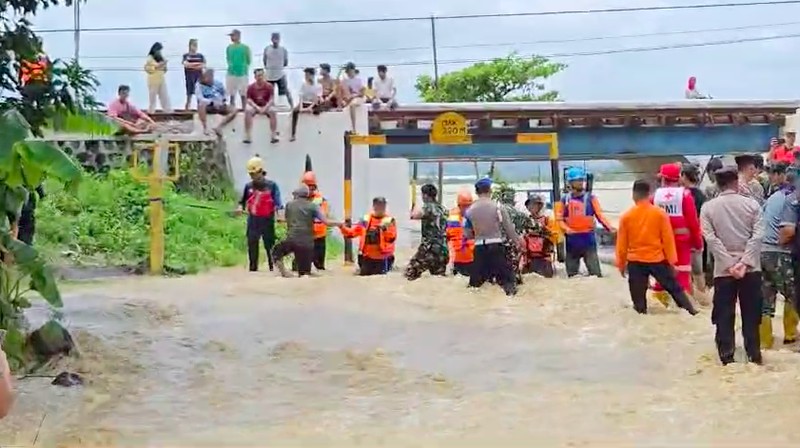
(155, 179)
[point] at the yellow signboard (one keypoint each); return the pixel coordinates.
(378, 139)
(450, 128)
(534, 139)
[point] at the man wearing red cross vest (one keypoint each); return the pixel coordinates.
(679, 205)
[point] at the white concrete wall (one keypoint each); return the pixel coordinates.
(321, 137)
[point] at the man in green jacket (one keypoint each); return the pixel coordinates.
(238, 57)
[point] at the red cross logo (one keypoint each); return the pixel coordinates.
(668, 196)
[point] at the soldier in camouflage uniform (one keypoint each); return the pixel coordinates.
(777, 267)
(523, 224)
(432, 254)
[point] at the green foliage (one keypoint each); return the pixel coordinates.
(106, 223)
(201, 175)
(512, 78)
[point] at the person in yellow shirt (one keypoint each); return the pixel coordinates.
(156, 69)
(645, 248)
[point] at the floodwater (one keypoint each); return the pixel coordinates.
(239, 359)
(234, 358)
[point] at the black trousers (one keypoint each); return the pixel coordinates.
(318, 258)
(491, 263)
(540, 265)
(723, 315)
(371, 266)
(639, 281)
(303, 254)
(296, 116)
(259, 230)
(464, 269)
(26, 227)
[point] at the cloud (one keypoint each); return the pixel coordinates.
(735, 71)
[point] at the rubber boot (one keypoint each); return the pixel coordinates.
(765, 333)
(790, 321)
(663, 297)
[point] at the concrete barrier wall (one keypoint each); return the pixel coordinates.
(322, 138)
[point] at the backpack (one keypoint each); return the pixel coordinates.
(260, 203)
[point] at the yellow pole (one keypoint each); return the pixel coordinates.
(156, 181)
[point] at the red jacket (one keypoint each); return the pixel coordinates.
(679, 205)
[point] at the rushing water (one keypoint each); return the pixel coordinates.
(231, 358)
(234, 358)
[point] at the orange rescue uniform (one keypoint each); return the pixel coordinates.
(645, 236)
(320, 229)
(377, 236)
(462, 249)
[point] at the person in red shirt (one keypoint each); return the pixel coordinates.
(784, 150)
(678, 202)
(260, 101)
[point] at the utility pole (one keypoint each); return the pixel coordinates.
(76, 19)
(435, 52)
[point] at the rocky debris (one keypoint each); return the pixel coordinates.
(51, 340)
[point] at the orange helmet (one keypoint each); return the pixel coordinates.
(464, 198)
(309, 178)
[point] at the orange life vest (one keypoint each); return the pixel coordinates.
(462, 249)
(376, 236)
(539, 246)
(320, 229)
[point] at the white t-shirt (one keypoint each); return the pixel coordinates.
(384, 88)
(309, 93)
(354, 84)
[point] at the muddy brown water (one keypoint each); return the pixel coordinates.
(233, 358)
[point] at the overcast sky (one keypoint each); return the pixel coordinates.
(757, 70)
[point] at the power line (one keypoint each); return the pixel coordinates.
(551, 56)
(418, 18)
(505, 44)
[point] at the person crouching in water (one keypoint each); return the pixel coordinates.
(432, 254)
(678, 202)
(538, 243)
(487, 222)
(461, 248)
(301, 214)
(646, 247)
(733, 227)
(262, 200)
(377, 233)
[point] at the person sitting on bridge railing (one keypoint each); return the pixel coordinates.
(577, 213)
(129, 117)
(691, 90)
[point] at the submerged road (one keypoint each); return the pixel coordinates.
(233, 358)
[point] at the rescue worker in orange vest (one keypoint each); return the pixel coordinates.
(538, 255)
(462, 249)
(678, 202)
(320, 229)
(577, 214)
(377, 232)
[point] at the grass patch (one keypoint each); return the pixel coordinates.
(106, 224)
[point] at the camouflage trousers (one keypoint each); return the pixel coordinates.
(514, 256)
(778, 278)
(430, 256)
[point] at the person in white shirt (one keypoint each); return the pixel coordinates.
(276, 59)
(385, 91)
(353, 91)
(310, 99)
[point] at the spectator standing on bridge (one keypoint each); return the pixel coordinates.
(748, 177)
(193, 65)
(239, 58)
(129, 117)
(156, 69)
(432, 254)
(577, 213)
(679, 204)
(276, 59)
(646, 247)
(486, 223)
(733, 227)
